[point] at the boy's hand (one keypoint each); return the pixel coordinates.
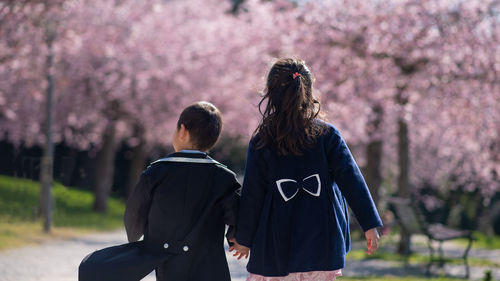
(241, 251)
(372, 238)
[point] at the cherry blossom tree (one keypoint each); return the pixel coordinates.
(413, 85)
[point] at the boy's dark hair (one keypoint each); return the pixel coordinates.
(204, 122)
(289, 122)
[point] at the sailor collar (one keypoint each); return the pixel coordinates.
(188, 157)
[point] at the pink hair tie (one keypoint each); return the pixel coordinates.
(295, 75)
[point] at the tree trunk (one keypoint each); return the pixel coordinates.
(488, 216)
(236, 5)
(136, 166)
(403, 179)
(404, 247)
(373, 170)
(105, 170)
(47, 163)
(403, 159)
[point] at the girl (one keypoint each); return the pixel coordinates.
(299, 174)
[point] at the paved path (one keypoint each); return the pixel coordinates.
(58, 261)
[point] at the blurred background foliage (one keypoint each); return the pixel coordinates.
(413, 86)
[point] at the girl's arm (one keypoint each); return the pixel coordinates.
(345, 172)
(252, 197)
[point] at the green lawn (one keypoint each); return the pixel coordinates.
(483, 241)
(72, 213)
(416, 258)
(392, 278)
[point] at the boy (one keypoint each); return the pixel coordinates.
(183, 202)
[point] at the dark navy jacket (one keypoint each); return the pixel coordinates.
(293, 212)
(183, 207)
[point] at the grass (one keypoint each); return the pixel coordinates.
(483, 241)
(359, 254)
(416, 258)
(391, 278)
(72, 213)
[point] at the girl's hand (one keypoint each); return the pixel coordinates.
(372, 238)
(241, 251)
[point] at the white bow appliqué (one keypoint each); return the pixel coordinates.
(288, 188)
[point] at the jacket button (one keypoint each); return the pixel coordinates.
(185, 248)
(165, 245)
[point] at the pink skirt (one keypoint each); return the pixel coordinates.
(300, 276)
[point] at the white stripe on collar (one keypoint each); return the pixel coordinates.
(186, 160)
(191, 151)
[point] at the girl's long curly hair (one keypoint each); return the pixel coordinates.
(290, 119)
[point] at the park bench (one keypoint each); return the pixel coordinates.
(412, 221)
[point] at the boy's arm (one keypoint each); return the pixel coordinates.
(230, 205)
(137, 208)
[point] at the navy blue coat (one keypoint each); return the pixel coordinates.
(182, 206)
(293, 212)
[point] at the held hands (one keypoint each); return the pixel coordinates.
(371, 235)
(241, 251)
(372, 238)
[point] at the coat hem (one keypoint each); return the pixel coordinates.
(298, 270)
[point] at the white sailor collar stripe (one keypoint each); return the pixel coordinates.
(186, 160)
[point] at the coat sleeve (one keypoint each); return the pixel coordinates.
(345, 172)
(230, 205)
(253, 194)
(137, 208)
